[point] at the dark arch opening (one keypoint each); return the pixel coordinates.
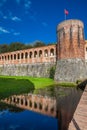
(46, 108)
(17, 100)
(52, 109)
(21, 101)
(40, 106)
(26, 103)
(14, 57)
(30, 54)
(18, 56)
(14, 100)
(30, 104)
(26, 55)
(22, 55)
(35, 105)
(40, 53)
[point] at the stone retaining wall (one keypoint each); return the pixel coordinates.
(34, 70)
(71, 70)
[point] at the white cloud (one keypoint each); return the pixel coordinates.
(44, 24)
(15, 18)
(16, 33)
(2, 30)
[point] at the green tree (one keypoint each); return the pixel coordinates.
(38, 44)
(16, 46)
(4, 48)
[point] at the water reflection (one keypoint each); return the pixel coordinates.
(66, 102)
(26, 120)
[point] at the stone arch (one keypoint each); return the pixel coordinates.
(46, 108)
(22, 55)
(40, 106)
(14, 56)
(21, 101)
(8, 57)
(26, 55)
(2, 57)
(40, 53)
(35, 105)
(18, 56)
(10, 99)
(31, 54)
(30, 103)
(14, 99)
(51, 52)
(52, 109)
(35, 54)
(11, 57)
(18, 100)
(5, 58)
(26, 103)
(46, 53)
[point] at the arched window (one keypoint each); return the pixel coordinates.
(30, 55)
(35, 54)
(22, 55)
(26, 55)
(46, 53)
(40, 53)
(52, 52)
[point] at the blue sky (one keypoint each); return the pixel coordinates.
(29, 20)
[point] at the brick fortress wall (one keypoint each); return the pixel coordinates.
(35, 62)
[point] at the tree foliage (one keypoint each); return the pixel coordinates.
(14, 46)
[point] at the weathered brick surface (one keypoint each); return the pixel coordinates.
(71, 39)
(79, 121)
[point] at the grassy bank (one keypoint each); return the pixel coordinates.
(10, 85)
(67, 84)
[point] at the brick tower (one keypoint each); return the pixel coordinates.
(70, 39)
(70, 51)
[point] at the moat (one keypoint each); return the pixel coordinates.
(13, 118)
